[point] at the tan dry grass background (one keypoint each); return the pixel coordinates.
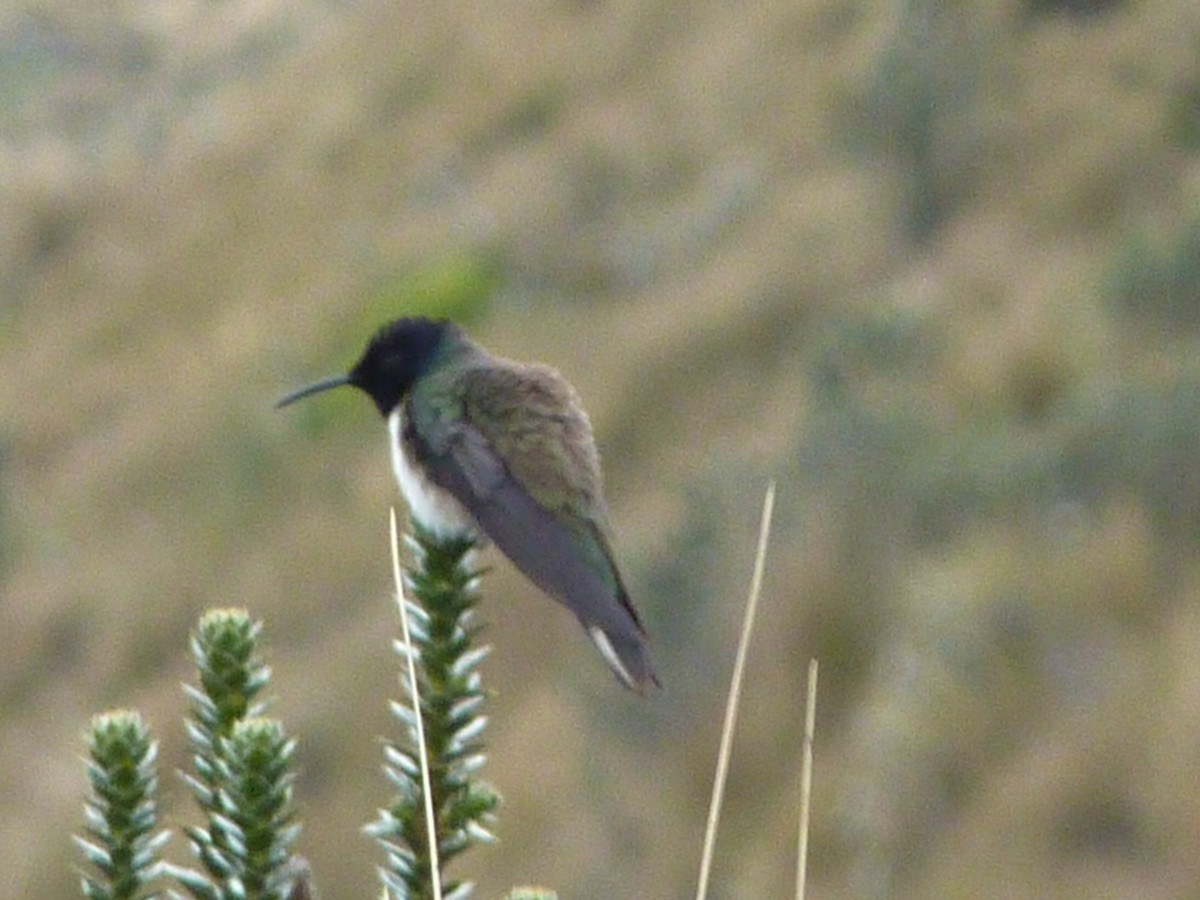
(932, 265)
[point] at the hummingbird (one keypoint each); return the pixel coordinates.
(502, 450)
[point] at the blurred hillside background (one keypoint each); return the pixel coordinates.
(932, 264)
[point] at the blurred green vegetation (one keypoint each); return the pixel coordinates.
(458, 287)
(1155, 283)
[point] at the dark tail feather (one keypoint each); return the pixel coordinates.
(627, 657)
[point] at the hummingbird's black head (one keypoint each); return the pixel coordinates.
(399, 353)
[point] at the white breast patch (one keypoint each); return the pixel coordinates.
(430, 505)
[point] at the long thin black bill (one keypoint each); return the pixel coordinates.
(324, 384)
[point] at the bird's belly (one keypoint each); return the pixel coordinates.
(430, 505)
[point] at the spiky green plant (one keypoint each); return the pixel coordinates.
(447, 734)
(121, 844)
(242, 778)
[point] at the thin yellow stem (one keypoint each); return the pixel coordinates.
(423, 754)
(735, 691)
(810, 726)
